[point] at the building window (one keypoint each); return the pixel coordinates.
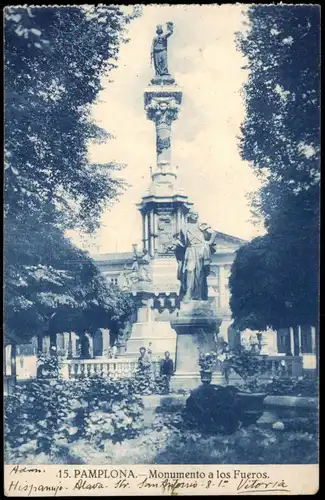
(306, 344)
(26, 349)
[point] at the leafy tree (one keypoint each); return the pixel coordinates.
(280, 134)
(54, 61)
(57, 287)
(274, 279)
(251, 308)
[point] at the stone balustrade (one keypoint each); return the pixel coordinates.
(75, 368)
(290, 366)
(281, 365)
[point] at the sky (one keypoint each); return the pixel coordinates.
(203, 59)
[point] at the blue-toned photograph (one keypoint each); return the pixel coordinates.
(161, 234)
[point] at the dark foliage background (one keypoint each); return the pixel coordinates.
(54, 61)
(275, 278)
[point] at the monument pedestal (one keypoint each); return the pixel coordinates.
(196, 325)
(160, 336)
(148, 332)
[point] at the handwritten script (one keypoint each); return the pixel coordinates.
(82, 480)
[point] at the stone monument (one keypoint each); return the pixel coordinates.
(197, 321)
(163, 208)
(171, 293)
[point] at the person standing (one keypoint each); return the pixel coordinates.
(254, 343)
(224, 358)
(149, 351)
(114, 350)
(143, 375)
(167, 370)
(143, 359)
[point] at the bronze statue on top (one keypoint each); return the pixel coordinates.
(159, 54)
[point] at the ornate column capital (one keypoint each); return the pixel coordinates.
(162, 110)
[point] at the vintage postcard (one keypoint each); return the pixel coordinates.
(161, 250)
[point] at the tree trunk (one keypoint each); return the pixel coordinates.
(39, 344)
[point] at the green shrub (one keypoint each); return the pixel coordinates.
(248, 366)
(144, 381)
(112, 410)
(48, 366)
(207, 361)
(45, 416)
(285, 386)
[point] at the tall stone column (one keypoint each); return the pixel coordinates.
(163, 110)
(46, 344)
(313, 340)
(69, 344)
(66, 336)
(222, 287)
(299, 340)
(13, 360)
(74, 346)
(106, 344)
(162, 107)
(163, 138)
(7, 360)
(149, 233)
(144, 232)
(152, 233)
(155, 231)
(292, 341)
(91, 346)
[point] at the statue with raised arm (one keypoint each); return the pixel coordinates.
(194, 247)
(159, 50)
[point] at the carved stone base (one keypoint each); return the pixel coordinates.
(163, 80)
(190, 381)
(159, 334)
(196, 325)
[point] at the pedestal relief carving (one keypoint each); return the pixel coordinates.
(165, 233)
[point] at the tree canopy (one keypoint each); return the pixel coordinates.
(55, 58)
(280, 139)
(59, 288)
(54, 61)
